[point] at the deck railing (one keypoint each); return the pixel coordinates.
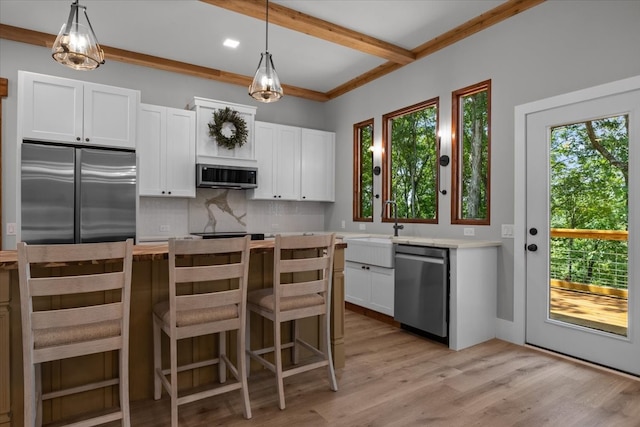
(589, 257)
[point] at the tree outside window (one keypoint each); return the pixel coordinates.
(471, 149)
(363, 171)
(410, 173)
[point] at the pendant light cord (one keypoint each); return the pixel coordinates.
(266, 48)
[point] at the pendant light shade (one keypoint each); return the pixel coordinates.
(76, 45)
(266, 84)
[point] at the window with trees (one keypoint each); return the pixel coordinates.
(410, 158)
(471, 154)
(363, 171)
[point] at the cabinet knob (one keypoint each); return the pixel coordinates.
(169, 192)
(86, 139)
(279, 196)
(78, 138)
(304, 197)
(162, 191)
(363, 267)
(275, 197)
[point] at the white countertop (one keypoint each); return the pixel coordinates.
(426, 241)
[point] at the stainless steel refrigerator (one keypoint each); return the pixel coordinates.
(77, 195)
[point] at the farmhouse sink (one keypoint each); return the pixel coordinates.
(370, 250)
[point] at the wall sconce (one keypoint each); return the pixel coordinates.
(375, 150)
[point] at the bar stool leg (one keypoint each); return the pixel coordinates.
(157, 360)
(222, 350)
(277, 345)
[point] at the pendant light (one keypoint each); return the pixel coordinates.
(266, 84)
(76, 45)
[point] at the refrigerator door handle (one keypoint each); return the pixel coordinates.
(77, 199)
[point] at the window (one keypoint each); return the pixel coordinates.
(363, 171)
(410, 158)
(471, 159)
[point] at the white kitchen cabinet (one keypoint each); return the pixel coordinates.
(317, 165)
(473, 295)
(294, 163)
(369, 286)
(277, 153)
(71, 111)
(207, 149)
(166, 151)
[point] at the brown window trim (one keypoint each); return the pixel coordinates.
(357, 169)
(455, 153)
(387, 214)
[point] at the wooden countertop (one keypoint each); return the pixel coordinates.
(148, 252)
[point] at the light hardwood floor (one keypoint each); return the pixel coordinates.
(394, 378)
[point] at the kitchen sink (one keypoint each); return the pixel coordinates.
(370, 250)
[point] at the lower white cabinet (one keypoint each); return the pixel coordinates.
(166, 150)
(369, 286)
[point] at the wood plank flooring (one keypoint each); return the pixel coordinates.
(394, 378)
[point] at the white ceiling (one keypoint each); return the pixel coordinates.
(192, 31)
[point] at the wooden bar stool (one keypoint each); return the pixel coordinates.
(303, 291)
(193, 311)
(75, 329)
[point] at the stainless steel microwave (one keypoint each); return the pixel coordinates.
(233, 177)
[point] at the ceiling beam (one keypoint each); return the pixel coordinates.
(46, 40)
(475, 25)
(315, 27)
(497, 14)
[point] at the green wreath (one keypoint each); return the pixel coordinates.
(239, 135)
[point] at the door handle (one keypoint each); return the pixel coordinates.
(532, 247)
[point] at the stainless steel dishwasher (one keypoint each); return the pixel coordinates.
(422, 289)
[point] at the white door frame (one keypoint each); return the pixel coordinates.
(515, 331)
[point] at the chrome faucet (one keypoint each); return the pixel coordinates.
(396, 227)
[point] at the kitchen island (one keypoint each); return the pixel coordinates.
(149, 285)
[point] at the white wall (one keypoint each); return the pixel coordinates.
(556, 47)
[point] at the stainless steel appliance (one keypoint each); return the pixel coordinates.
(234, 177)
(77, 195)
(421, 298)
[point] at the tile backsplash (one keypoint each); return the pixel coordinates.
(225, 210)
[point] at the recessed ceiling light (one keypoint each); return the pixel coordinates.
(231, 43)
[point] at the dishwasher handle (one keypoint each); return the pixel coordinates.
(430, 260)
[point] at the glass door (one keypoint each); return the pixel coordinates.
(581, 219)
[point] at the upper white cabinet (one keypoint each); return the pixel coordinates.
(166, 150)
(277, 153)
(317, 164)
(207, 149)
(64, 110)
(294, 163)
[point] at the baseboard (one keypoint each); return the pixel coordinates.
(371, 313)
